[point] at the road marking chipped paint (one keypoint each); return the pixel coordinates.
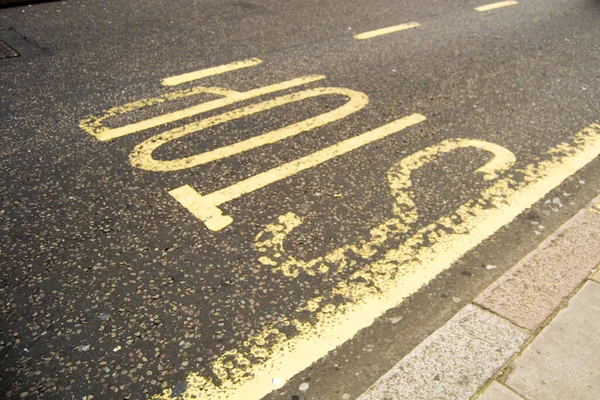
(275, 253)
(206, 208)
(387, 280)
(385, 31)
(392, 266)
(494, 6)
(203, 73)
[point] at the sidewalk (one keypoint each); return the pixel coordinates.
(563, 361)
(533, 334)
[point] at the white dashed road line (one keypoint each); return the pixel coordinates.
(385, 31)
(494, 6)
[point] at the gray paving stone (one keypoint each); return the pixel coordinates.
(497, 391)
(454, 362)
(563, 362)
(530, 292)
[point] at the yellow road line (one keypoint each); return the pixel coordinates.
(494, 6)
(385, 31)
(203, 73)
(206, 208)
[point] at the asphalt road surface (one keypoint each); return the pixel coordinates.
(274, 198)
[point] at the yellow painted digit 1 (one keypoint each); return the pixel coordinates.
(206, 208)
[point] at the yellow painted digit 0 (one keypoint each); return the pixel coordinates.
(141, 156)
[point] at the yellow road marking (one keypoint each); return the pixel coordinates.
(206, 208)
(399, 273)
(141, 156)
(271, 242)
(391, 268)
(203, 73)
(385, 31)
(95, 125)
(230, 96)
(494, 6)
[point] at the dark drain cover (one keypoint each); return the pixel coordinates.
(15, 46)
(6, 51)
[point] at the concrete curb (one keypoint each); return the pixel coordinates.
(455, 361)
(458, 359)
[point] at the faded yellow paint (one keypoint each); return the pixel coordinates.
(141, 157)
(386, 31)
(494, 6)
(206, 208)
(94, 125)
(270, 242)
(392, 266)
(389, 279)
(399, 175)
(204, 73)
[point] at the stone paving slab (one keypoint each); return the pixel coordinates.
(563, 362)
(497, 391)
(455, 361)
(530, 292)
